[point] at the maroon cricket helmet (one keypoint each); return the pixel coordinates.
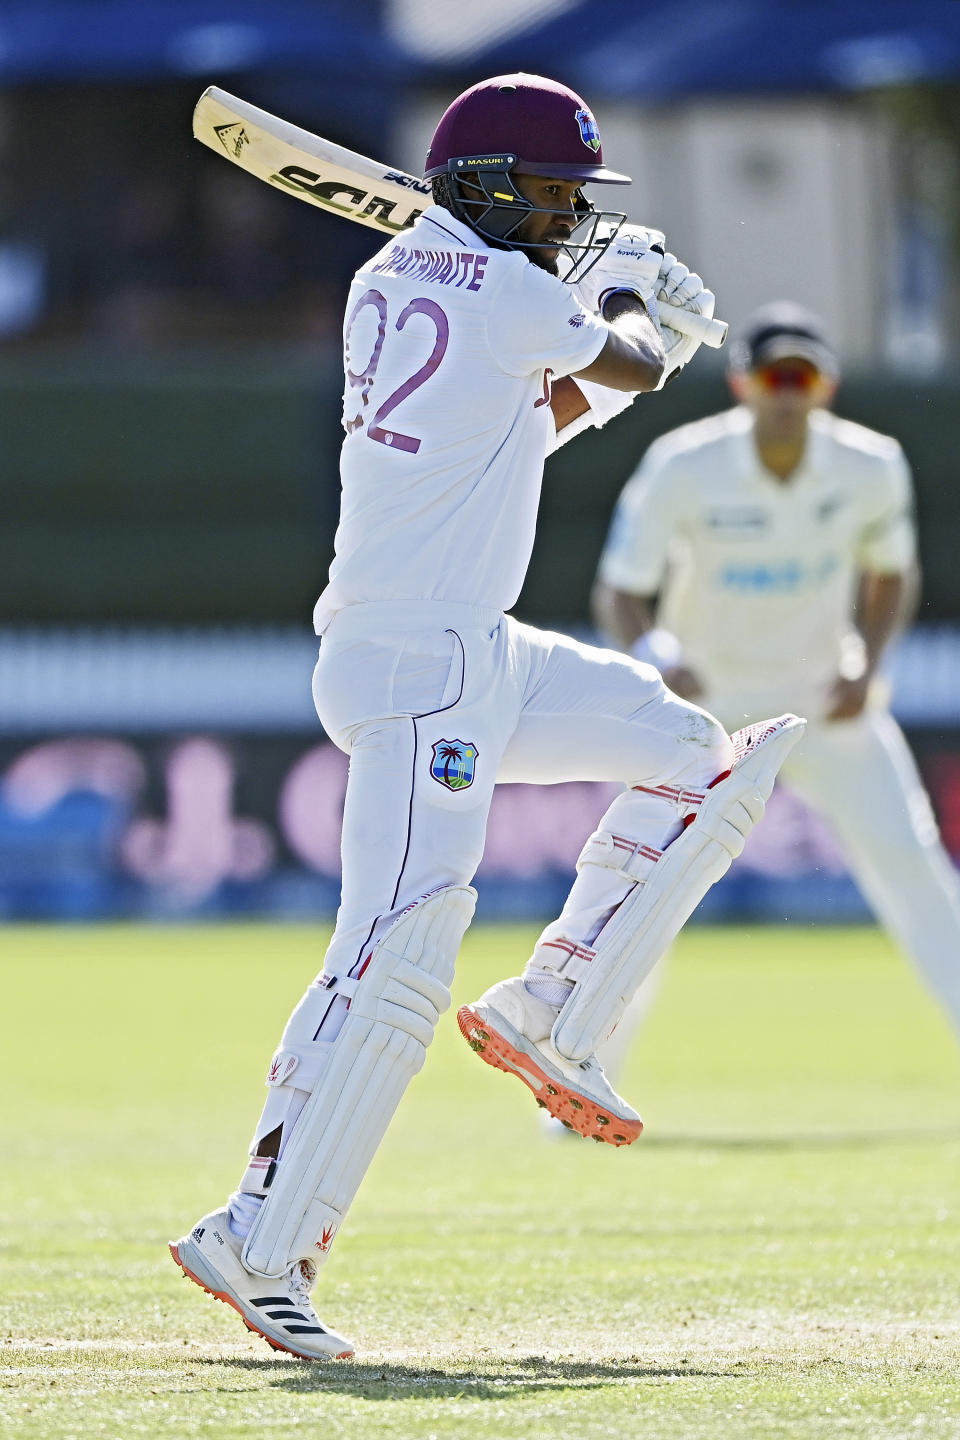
(539, 125)
(521, 125)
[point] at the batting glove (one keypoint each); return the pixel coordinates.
(632, 261)
(678, 285)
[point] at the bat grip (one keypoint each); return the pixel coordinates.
(696, 327)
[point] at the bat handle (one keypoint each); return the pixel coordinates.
(697, 327)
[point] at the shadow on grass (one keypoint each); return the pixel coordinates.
(812, 1140)
(519, 1376)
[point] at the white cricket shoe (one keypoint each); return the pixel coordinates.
(279, 1310)
(510, 1029)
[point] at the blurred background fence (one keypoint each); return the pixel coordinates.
(170, 395)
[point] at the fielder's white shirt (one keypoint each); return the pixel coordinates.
(447, 345)
(756, 575)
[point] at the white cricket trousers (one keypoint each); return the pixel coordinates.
(436, 703)
(861, 777)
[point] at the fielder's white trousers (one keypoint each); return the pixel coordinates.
(861, 777)
(436, 703)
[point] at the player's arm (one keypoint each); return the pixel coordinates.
(886, 603)
(633, 568)
(635, 265)
(622, 617)
(629, 620)
(625, 287)
(889, 583)
(632, 354)
(630, 363)
(632, 358)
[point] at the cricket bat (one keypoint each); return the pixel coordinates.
(345, 183)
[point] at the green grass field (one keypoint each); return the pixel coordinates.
(777, 1256)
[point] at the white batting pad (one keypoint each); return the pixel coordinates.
(608, 973)
(382, 1045)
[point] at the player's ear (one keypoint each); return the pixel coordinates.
(739, 383)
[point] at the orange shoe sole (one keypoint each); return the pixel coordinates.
(227, 1300)
(571, 1107)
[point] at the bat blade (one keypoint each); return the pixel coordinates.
(308, 167)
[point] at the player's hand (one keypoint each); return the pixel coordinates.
(848, 697)
(631, 261)
(683, 682)
(678, 285)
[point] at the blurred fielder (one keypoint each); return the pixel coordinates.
(460, 339)
(780, 542)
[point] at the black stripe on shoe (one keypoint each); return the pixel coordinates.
(286, 1315)
(272, 1300)
(305, 1330)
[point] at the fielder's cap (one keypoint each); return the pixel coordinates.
(783, 331)
(535, 125)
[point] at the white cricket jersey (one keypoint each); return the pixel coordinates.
(757, 576)
(447, 348)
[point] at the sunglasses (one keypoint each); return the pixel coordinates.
(801, 376)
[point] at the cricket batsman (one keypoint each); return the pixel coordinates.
(511, 316)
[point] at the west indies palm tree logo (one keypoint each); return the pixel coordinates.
(454, 763)
(589, 133)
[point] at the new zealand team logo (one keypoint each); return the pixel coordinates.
(589, 133)
(454, 763)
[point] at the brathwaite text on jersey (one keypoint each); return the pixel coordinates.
(436, 267)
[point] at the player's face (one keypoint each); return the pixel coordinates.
(782, 394)
(547, 231)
